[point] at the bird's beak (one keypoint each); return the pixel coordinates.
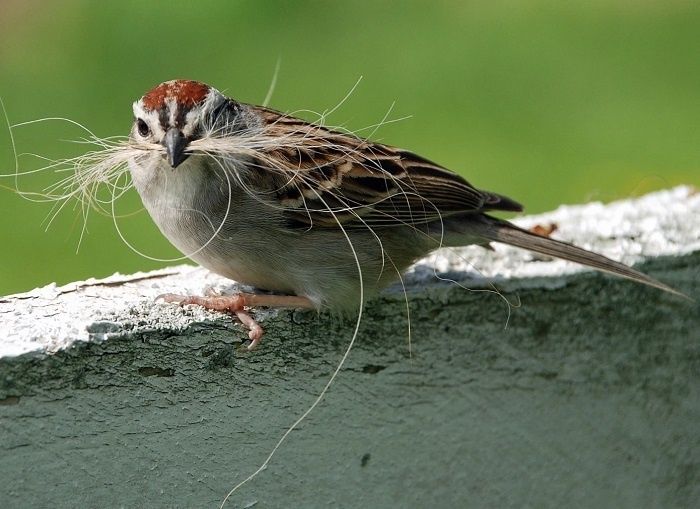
(175, 144)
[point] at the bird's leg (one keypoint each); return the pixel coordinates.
(237, 304)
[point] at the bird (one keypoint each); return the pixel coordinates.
(318, 217)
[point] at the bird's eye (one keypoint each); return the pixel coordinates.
(142, 127)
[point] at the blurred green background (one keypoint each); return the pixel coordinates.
(548, 102)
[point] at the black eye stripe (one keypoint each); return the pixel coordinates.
(180, 116)
(219, 110)
(164, 118)
(228, 108)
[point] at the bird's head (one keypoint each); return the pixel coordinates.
(178, 112)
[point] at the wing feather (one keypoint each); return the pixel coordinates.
(332, 177)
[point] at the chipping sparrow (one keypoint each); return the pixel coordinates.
(301, 210)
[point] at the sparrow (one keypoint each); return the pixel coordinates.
(320, 218)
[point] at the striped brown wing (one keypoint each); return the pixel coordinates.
(330, 177)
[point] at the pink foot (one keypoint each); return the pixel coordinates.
(236, 304)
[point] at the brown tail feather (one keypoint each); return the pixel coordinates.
(502, 231)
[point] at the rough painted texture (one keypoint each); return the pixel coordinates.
(589, 398)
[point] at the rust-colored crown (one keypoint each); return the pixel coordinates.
(185, 92)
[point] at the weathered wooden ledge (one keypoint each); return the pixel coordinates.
(590, 397)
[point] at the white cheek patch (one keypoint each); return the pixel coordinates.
(153, 122)
(192, 121)
(198, 114)
(151, 119)
(214, 98)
